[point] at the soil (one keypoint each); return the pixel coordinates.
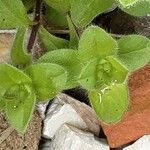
(15, 141)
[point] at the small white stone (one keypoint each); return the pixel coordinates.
(41, 107)
(141, 144)
(65, 109)
(71, 138)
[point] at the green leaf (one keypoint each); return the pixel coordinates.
(60, 5)
(136, 7)
(10, 75)
(55, 17)
(19, 54)
(134, 51)
(110, 103)
(50, 41)
(98, 73)
(87, 77)
(84, 11)
(126, 3)
(48, 79)
(74, 38)
(19, 111)
(96, 43)
(119, 71)
(66, 58)
(13, 14)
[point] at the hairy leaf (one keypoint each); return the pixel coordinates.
(126, 3)
(87, 77)
(13, 14)
(50, 41)
(55, 17)
(98, 73)
(19, 54)
(10, 75)
(19, 111)
(74, 38)
(48, 79)
(134, 51)
(68, 59)
(135, 7)
(84, 11)
(119, 72)
(96, 43)
(110, 103)
(60, 5)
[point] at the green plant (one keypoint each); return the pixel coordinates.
(94, 60)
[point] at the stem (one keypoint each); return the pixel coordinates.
(35, 28)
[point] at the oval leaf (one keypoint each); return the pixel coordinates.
(134, 51)
(13, 14)
(10, 75)
(19, 111)
(135, 7)
(84, 11)
(66, 58)
(110, 103)
(96, 43)
(48, 79)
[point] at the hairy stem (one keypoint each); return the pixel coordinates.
(35, 28)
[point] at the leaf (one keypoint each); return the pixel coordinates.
(87, 77)
(50, 41)
(96, 43)
(136, 7)
(134, 51)
(19, 112)
(110, 103)
(60, 5)
(48, 79)
(13, 14)
(10, 75)
(119, 71)
(126, 3)
(55, 17)
(84, 11)
(19, 54)
(98, 73)
(66, 58)
(74, 38)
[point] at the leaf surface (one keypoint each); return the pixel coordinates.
(13, 14)
(19, 112)
(110, 103)
(96, 43)
(48, 79)
(66, 58)
(134, 51)
(84, 11)
(19, 53)
(50, 41)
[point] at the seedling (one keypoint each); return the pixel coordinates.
(94, 60)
